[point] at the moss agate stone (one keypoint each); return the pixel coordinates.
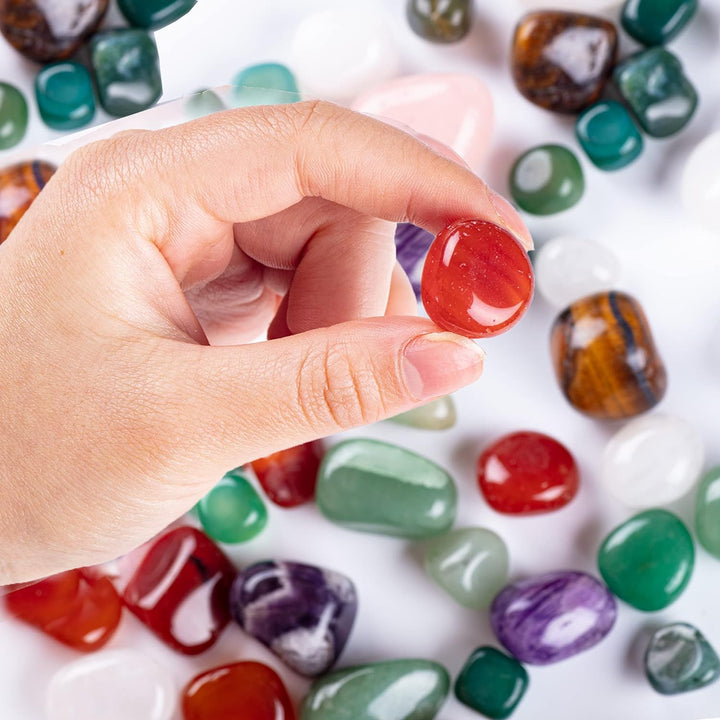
(608, 135)
(154, 14)
(64, 94)
(13, 116)
(656, 22)
(441, 21)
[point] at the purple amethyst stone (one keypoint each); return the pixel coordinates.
(302, 613)
(552, 617)
(411, 246)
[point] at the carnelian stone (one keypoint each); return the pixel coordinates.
(77, 608)
(181, 590)
(243, 690)
(477, 280)
(526, 473)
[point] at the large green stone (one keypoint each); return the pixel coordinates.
(656, 22)
(13, 116)
(265, 84)
(441, 21)
(436, 415)
(648, 560)
(394, 690)
(154, 14)
(64, 94)
(707, 511)
(373, 486)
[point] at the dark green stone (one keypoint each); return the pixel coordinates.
(265, 84)
(154, 14)
(127, 71)
(204, 102)
(64, 94)
(441, 21)
(13, 116)
(492, 683)
(656, 22)
(707, 511)
(608, 135)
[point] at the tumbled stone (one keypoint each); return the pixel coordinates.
(648, 560)
(64, 94)
(562, 61)
(707, 511)
(204, 102)
(656, 22)
(700, 189)
(394, 690)
(13, 116)
(411, 246)
(373, 486)
(303, 613)
(605, 357)
(154, 14)
(441, 21)
(552, 617)
(608, 135)
(265, 84)
(436, 415)
(19, 185)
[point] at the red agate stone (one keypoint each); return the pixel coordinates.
(77, 608)
(477, 280)
(180, 590)
(526, 473)
(247, 690)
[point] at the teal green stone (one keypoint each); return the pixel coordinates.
(648, 560)
(546, 180)
(265, 84)
(394, 690)
(154, 14)
(655, 88)
(204, 102)
(470, 564)
(13, 116)
(707, 511)
(127, 70)
(492, 683)
(64, 94)
(656, 22)
(232, 512)
(436, 415)
(373, 486)
(608, 135)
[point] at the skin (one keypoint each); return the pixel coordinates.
(133, 282)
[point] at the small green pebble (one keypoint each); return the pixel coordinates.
(265, 84)
(64, 94)
(656, 22)
(608, 135)
(13, 116)
(707, 511)
(203, 102)
(436, 415)
(154, 14)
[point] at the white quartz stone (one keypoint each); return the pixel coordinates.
(701, 184)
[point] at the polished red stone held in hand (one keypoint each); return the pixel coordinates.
(525, 473)
(477, 280)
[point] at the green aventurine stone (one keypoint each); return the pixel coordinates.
(265, 84)
(204, 102)
(373, 486)
(707, 511)
(64, 95)
(232, 512)
(648, 560)
(436, 415)
(546, 180)
(395, 690)
(470, 564)
(491, 683)
(442, 21)
(154, 14)
(13, 116)
(655, 22)
(609, 136)
(127, 70)
(655, 88)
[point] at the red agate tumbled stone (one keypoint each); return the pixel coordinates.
(526, 473)
(477, 280)
(77, 608)
(181, 590)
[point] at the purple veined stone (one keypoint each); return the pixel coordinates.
(552, 617)
(411, 246)
(303, 613)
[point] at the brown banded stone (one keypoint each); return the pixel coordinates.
(19, 185)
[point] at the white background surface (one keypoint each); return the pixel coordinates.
(671, 266)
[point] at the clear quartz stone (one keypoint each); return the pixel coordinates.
(701, 184)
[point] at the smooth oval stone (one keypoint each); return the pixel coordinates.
(608, 135)
(470, 564)
(455, 109)
(653, 460)
(552, 617)
(204, 102)
(13, 116)
(441, 21)
(64, 94)
(648, 560)
(265, 84)
(679, 659)
(700, 189)
(19, 186)
(605, 357)
(656, 22)
(411, 246)
(112, 685)
(154, 14)
(477, 279)
(707, 512)
(373, 486)
(546, 180)
(436, 415)
(570, 268)
(394, 690)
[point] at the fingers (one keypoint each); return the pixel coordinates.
(402, 300)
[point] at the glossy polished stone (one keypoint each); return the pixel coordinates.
(477, 279)
(562, 61)
(265, 84)
(470, 564)
(77, 608)
(441, 21)
(569, 268)
(112, 685)
(656, 22)
(13, 116)
(204, 102)
(64, 95)
(436, 415)
(19, 185)
(707, 511)
(180, 590)
(46, 31)
(240, 691)
(411, 246)
(154, 14)
(546, 180)
(376, 487)
(289, 477)
(525, 473)
(552, 617)
(655, 88)
(653, 460)
(648, 560)
(394, 690)
(679, 659)
(608, 135)
(491, 683)
(605, 357)
(127, 70)
(303, 613)
(700, 189)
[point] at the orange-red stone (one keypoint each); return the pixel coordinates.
(477, 279)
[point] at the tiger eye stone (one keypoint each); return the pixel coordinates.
(605, 358)
(19, 185)
(561, 61)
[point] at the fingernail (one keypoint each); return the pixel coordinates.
(510, 219)
(440, 363)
